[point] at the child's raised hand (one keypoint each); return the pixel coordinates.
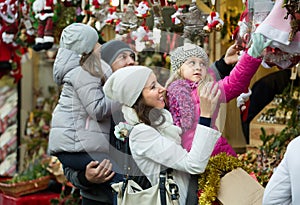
(209, 95)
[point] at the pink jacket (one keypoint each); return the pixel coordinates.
(182, 94)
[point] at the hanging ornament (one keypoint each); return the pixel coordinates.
(241, 34)
(158, 19)
(178, 12)
(44, 12)
(143, 9)
(193, 22)
(8, 47)
(129, 20)
(214, 22)
(9, 10)
(86, 11)
(10, 61)
(138, 36)
(143, 38)
(112, 16)
(10, 51)
(101, 17)
(26, 34)
(98, 13)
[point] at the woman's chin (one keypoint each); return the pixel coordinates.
(161, 106)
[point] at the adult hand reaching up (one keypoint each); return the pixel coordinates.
(232, 54)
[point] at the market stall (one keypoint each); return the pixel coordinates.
(152, 29)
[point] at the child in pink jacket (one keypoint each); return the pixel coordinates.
(189, 64)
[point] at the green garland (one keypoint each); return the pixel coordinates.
(209, 181)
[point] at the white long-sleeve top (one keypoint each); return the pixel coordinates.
(284, 185)
(152, 152)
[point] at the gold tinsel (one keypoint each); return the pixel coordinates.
(209, 181)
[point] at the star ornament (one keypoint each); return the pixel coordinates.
(193, 22)
(194, 17)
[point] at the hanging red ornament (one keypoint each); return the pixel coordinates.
(178, 12)
(214, 22)
(143, 9)
(44, 12)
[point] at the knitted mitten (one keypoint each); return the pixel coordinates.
(258, 45)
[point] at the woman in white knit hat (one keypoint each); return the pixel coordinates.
(81, 121)
(154, 141)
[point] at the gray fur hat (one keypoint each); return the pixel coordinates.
(79, 37)
(126, 85)
(182, 53)
(111, 49)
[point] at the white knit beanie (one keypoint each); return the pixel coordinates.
(79, 37)
(126, 85)
(182, 53)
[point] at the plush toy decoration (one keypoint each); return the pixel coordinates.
(97, 14)
(174, 18)
(141, 38)
(10, 61)
(112, 16)
(143, 9)
(27, 31)
(214, 22)
(7, 46)
(16, 34)
(242, 32)
(44, 12)
(9, 10)
(8, 35)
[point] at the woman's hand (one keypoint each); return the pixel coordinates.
(99, 172)
(232, 54)
(209, 95)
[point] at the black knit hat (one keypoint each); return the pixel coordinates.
(111, 49)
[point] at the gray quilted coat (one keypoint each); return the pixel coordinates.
(81, 119)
